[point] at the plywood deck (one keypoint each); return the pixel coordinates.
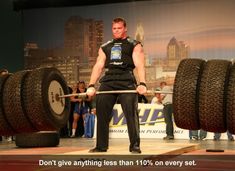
(154, 151)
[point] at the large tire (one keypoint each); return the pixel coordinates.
(185, 93)
(38, 139)
(38, 103)
(212, 95)
(12, 103)
(231, 102)
(5, 128)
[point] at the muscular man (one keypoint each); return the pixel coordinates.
(119, 56)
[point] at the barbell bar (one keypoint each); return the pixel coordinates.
(113, 92)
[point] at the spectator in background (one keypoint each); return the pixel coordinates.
(166, 100)
(81, 106)
(218, 135)
(157, 98)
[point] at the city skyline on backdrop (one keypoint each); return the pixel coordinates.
(82, 39)
(207, 26)
(169, 32)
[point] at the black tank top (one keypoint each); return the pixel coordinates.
(119, 54)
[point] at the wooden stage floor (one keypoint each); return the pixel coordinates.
(156, 153)
(81, 146)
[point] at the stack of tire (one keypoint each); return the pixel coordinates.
(203, 98)
(204, 95)
(25, 108)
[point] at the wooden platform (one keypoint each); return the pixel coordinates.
(156, 153)
(81, 146)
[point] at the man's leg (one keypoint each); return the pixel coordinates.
(167, 111)
(190, 134)
(202, 134)
(217, 136)
(195, 134)
(230, 136)
(104, 107)
(129, 103)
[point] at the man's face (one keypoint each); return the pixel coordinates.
(119, 31)
(157, 95)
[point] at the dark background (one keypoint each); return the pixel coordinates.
(11, 38)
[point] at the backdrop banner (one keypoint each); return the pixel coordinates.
(152, 124)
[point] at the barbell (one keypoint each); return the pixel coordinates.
(111, 92)
(39, 95)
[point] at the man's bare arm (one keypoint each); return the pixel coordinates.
(98, 67)
(139, 61)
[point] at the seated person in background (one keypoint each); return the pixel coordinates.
(218, 135)
(157, 98)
